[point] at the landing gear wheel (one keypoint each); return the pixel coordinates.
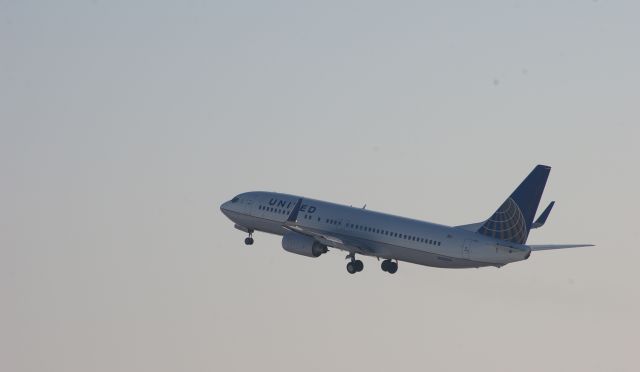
(249, 239)
(385, 265)
(354, 265)
(393, 267)
(351, 268)
(359, 265)
(389, 266)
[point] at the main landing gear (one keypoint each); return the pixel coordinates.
(389, 266)
(354, 266)
(249, 240)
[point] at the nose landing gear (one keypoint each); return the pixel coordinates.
(249, 240)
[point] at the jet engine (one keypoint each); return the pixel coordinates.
(302, 245)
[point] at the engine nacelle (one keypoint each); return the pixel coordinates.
(303, 245)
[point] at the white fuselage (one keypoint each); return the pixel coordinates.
(384, 235)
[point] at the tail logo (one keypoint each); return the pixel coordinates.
(507, 223)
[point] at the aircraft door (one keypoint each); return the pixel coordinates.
(249, 205)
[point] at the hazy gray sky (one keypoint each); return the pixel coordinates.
(124, 125)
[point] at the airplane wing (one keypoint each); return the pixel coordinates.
(339, 241)
(335, 241)
(545, 247)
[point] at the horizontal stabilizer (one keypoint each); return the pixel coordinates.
(557, 246)
(543, 217)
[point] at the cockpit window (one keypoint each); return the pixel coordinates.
(235, 200)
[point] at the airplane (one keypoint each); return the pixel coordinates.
(310, 227)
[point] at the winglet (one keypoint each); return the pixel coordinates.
(543, 217)
(293, 217)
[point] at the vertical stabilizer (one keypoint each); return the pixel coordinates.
(513, 220)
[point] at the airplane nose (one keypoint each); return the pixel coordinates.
(224, 207)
